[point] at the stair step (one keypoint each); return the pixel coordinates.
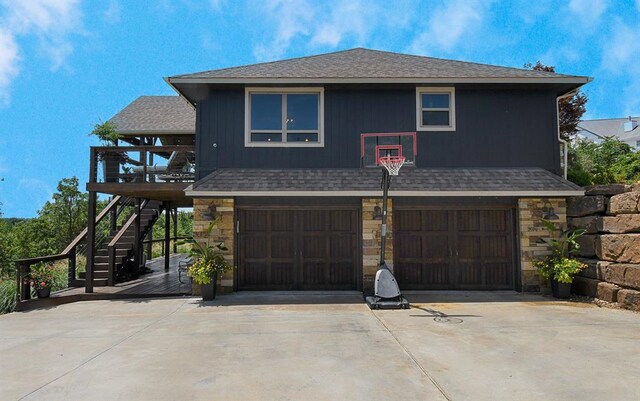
(97, 282)
(97, 275)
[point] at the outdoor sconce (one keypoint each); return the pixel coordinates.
(377, 213)
(548, 213)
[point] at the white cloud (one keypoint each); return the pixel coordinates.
(353, 18)
(216, 5)
(291, 18)
(50, 21)
(619, 57)
(113, 13)
(448, 24)
(8, 64)
(588, 12)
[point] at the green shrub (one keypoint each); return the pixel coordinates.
(7, 296)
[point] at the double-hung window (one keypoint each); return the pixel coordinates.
(436, 109)
(284, 117)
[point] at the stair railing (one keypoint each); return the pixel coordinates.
(114, 242)
(23, 266)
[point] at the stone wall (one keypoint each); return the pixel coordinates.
(205, 211)
(611, 246)
(371, 240)
(530, 213)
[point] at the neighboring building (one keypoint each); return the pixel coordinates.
(283, 170)
(624, 129)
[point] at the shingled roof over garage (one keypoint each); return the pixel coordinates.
(366, 182)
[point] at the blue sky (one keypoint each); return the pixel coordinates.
(67, 64)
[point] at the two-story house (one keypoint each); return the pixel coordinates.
(283, 168)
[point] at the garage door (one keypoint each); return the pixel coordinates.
(312, 249)
(454, 249)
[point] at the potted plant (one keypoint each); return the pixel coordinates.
(41, 279)
(111, 161)
(209, 264)
(559, 267)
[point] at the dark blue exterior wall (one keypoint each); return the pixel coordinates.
(508, 127)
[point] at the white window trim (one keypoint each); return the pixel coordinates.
(282, 91)
(452, 108)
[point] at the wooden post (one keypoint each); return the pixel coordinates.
(150, 244)
(136, 239)
(114, 218)
(71, 278)
(175, 230)
(91, 240)
(167, 234)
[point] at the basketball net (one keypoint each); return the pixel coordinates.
(392, 163)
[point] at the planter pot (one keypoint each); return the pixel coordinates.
(208, 291)
(43, 292)
(111, 166)
(560, 290)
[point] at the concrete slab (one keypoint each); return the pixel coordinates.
(457, 346)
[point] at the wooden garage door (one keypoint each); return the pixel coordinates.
(297, 249)
(454, 249)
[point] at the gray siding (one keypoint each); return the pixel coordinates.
(495, 128)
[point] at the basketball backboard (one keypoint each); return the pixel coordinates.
(380, 144)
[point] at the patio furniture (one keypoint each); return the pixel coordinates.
(183, 265)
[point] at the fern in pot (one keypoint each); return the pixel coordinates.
(560, 266)
(209, 264)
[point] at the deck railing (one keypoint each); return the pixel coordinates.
(142, 164)
(70, 253)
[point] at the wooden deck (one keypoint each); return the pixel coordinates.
(159, 283)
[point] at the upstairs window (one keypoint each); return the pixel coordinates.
(435, 109)
(284, 117)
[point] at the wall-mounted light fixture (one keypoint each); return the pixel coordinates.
(547, 211)
(377, 213)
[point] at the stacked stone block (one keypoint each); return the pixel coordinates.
(610, 214)
(371, 240)
(530, 213)
(220, 211)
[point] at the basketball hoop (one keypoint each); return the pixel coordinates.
(392, 163)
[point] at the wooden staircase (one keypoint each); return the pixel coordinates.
(120, 246)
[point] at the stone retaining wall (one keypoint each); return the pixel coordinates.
(611, 245)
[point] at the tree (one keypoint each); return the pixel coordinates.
(67, 211)
(570, 109)
(6, 248)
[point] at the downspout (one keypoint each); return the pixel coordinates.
(565, 145)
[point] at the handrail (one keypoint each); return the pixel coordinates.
(23, 265)
(114, 203)
(126, 225)
(172, 148)
(111, 248)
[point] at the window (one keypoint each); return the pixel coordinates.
(436, 109)
(284, 117)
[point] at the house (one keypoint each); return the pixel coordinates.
(282, 160)
(624, 129)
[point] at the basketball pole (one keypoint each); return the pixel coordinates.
(386, 182)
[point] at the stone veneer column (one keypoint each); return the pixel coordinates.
(204, 212)
(531, 230)
(371, 240)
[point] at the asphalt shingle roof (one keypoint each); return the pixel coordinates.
(521, 180)
(156, 114)
(366, 63)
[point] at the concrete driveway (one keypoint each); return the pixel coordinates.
(457, 346)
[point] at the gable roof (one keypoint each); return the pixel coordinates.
(365, 65)
(156, 114)
(366, 182)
